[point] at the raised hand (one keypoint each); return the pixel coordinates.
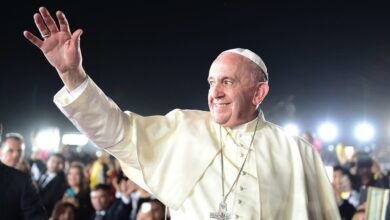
(127, 187)
(60, 47)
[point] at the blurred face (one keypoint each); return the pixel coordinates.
(336, 178)
(74, 177)
(68, 214)
(100, 200)
(145, 212)
(11, 152)
(233, 94)
(365, 174)
(55, 164)
(145, 216)
(158, 211)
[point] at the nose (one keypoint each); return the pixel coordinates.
(16, 154)
(216, 91)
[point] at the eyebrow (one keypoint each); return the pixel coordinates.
(223, 78)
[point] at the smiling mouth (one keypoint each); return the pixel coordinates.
(217, 105)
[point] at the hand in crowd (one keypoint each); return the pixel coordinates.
(60, 47)
(127, 187)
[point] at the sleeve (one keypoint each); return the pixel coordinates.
(149, 149)
(321, 198)
(94, 114)
(75, 93)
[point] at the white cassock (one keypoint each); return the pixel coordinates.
(177, 158)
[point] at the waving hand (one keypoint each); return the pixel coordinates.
(60, 46)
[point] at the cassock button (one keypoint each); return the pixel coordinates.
(242, 154)
(237, 216)
(242, 188)
(239, 201)
(243, 173)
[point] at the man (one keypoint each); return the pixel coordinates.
(52, 183)
(104, 209)
(226, 163)
(346, 197)
(19, 199)
(11, 151)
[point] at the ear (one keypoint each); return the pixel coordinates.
(260, 93)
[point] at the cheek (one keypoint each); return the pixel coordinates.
(72, 179)
(210, 102)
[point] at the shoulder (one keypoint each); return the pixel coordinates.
(189, 113)
(189, 116)
(15, 181)
(278, 134)
(14, 174)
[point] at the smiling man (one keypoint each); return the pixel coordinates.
(238, 84)
(223, 164)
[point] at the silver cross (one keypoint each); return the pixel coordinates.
(222, 213)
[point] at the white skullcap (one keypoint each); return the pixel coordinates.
(252, 56)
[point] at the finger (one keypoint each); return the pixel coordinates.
(33, 39)
(76, 37)
(64, 24)
(49, 21)
(43, 30)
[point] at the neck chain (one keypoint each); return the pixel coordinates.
(222, 213)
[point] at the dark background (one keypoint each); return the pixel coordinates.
(326, 60)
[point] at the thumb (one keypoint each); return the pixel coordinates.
(75, 39)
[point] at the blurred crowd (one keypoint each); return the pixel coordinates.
(352, 173)
(73, 187)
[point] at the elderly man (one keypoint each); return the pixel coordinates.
(223, 164)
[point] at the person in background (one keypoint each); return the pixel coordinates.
(52, 183)
(344, 193)
(12, 149)
(78, 192)
(19, 199)
(104, 208)
(153, 210)
(65, 211)
(100, 170)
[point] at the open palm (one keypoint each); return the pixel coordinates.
(60, 47)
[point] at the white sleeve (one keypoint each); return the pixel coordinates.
(75, 93)
(93, 113)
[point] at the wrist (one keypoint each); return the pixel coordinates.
(73, 78)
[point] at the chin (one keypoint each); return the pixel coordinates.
(219, 120)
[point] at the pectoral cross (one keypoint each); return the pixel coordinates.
(222, 213)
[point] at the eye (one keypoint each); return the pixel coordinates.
(228, 82)
(211, 83)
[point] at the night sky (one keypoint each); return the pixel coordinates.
(327, 61)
